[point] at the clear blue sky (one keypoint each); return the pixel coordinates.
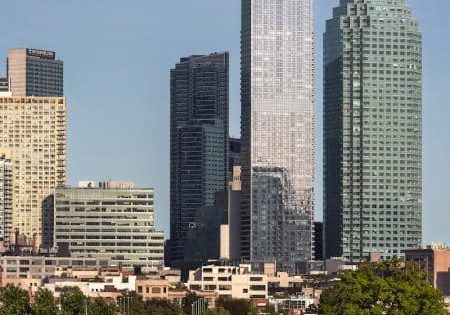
(117, 57)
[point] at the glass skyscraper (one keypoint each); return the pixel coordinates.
(277, 127)
(198, 155)
(35, 72)
(372, 129)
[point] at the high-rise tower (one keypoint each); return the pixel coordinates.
(34, 72)
(277, 127)
(6, 197)
(372, 129)
(34, 131)
(198, 154)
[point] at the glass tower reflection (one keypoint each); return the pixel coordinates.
(277, 127)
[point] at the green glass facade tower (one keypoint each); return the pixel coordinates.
(372, 130)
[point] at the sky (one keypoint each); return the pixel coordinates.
(117, 56)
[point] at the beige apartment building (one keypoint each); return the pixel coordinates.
(237, 282)
(6, 201)
(34, 129)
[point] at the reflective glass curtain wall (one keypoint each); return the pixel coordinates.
(372, 130)
(277, 128)
(198, 154)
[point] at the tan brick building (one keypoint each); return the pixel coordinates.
(35, 131)
(435, 261)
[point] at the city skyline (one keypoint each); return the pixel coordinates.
(85, 126)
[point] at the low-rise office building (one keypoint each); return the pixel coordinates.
(152, 288)
(116, 224)
(229, 281)
(108, 287)
(38, 267)
(434, 260)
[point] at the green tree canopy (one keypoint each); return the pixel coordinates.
(44, 303)
(101, 306)
(73, 301)
(14, 301)
(217, 311)
(162, 307)
(187, 302)
(131, 304)
(390, 288)
(236, 306)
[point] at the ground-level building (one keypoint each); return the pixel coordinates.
(230, 281)
(435, 262)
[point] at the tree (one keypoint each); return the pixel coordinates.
(14, 301)
(187, 302)
(44, 303)
(270, 310)
(217, 311)
(236, 306)
(162, 307)
(100, 306)
(132, 304)
(391, 288)
(73, 301)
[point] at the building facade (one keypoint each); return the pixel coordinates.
(236, 282)
(372, 130)
(35, 72)
(4, 85)
(113, 224)
(434, 261)
(198, 152)
(277, 127)
(34, 129)
(234, 153)
(318, 241)
(230, 229)
(6, 198)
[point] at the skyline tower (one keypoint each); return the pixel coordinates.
(34, 131)
(198, 155)
(6, 195)
(277, 131)
(34, 72)
(372, 130)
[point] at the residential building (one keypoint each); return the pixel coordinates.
(229, 281)
(434, 260)
(151, 288)
(116, 224)
(234, 153)
(198, 155)
(335, 265)
(372, 130)
(318, 241)
(39, 267)
(35, 72)
(6, 198)
(34, 129)
(4, 85)
(295, 305)
(277, 131)
(230, 230)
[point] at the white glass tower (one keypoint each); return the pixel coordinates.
(277, 57)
